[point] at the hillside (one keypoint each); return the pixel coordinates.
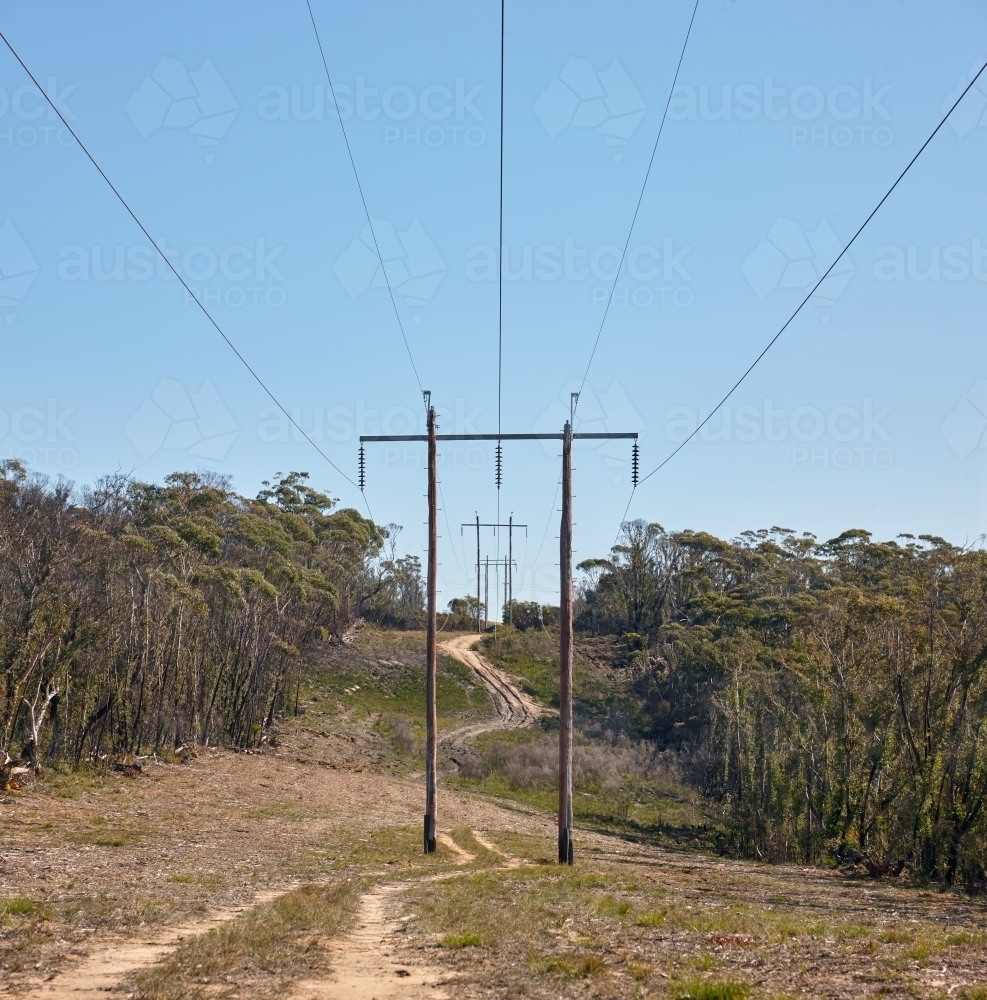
(296, 871)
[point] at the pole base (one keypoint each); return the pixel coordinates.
(430, 834)
(565, 847)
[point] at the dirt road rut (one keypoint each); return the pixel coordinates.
(514, 708)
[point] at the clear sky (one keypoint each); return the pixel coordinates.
(789, 123)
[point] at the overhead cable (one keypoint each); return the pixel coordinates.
(123, 201)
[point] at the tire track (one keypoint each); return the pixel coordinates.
(515, 709)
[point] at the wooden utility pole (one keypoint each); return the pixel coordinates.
(431, 731)
(565, 654)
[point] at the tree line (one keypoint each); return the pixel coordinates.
(136, 617)
(831, 695)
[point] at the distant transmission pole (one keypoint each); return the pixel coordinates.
(478, 524)
(489, 561)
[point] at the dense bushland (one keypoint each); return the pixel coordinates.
(833, 696)
(135, 616)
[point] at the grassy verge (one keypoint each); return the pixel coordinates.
(617, 788)
(261, 952)
(381, 682)
(531, 657)
(399, 848)
(678, 932)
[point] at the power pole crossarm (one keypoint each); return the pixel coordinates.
(596, 436)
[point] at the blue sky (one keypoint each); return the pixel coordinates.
(788, 125)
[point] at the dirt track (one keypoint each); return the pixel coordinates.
(255, 784)
(514, 708)
(366, 962)
(106, 966)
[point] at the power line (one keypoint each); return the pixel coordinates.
(174, 270)
(812, 291)
(623, 518)
(455, 554)
(500, 235)
(640, 198)
(359, 186)
(499, 453)
(548, 524)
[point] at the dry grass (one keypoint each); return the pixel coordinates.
(699, 989)
(696, 929)
(260, 953)
(530, 761)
